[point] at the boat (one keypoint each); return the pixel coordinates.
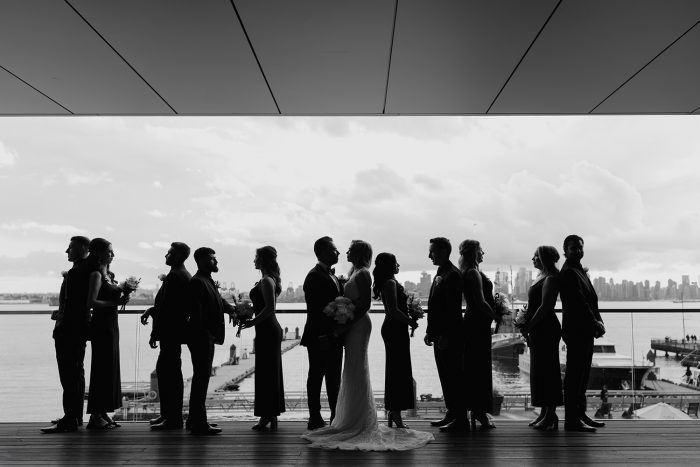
(508, 343)
(608, 367)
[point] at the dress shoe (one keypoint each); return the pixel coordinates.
(206, 430)
(580, 428)
(55, 421)
(167, 425)
(60, 428)
(315, 423)
(445, 421)
(455, 426)
(188, 425)
(590, 422)
(156, 421)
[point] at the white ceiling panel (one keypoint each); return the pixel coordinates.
(193, 52)
(48, 45)
(322, 56)
(671, 83)
(16, 98)
(453, 56)
(588, 49)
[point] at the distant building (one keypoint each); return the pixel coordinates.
(426, 280)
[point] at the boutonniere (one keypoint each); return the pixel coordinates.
(438, 279)
(64, 273)
(161, 277)
(342, 279)
(217, 285)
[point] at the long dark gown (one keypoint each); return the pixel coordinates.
(398, 376)
(477, 350)
(269, 385)
(545, 372)
(105, 393)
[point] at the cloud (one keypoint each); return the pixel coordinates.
(46, 228)
(156, 213)
(7, 156)
(85, 178)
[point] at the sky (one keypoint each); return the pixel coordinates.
(629, 185)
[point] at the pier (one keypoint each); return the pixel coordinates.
(679, 347)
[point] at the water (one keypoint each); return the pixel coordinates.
(30, 389)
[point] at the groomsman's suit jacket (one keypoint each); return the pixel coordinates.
(579, 303)
(445, 303)
(207, 309)
(319, 290)
(73, 320)
(171, 307)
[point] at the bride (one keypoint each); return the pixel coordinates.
(355, 424)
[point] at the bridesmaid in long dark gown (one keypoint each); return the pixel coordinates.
(478, 291)
(398, 378)
(269, 385)
(104, 298)
(543, 330)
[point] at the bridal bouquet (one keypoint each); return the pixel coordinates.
(415, 311)
(129, 286)
(501, 308)
(521, 317)
(244, 311)
(341, 310)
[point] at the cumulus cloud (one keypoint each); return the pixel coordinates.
(7, 156)
(47, 228)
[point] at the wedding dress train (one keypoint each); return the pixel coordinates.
(355, 425)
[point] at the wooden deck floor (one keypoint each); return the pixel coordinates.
(512, 443)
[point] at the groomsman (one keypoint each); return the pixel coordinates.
(325, 351)
(444, 332)
(206, 328)
(581, 323)
(70, 334)
(169, 325)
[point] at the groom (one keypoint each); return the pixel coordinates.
(325, 351)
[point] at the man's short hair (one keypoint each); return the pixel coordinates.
(442, 243)
(201, 253)
(181, 248)
(321, 245)
(570, 239)
(81, 241)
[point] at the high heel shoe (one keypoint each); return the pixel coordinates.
(539, 418)
(391, 419)
(548, 424)
(262, 424)
(273, 424)
(483, 419)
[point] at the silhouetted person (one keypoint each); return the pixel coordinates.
(581, 323)
(478, 291)
(206, 328)
(269, 383)
(444, 331)
(544, 333)
(104, 298)
(398, 375)
(325, 351)
(169, 328)
(70, 334)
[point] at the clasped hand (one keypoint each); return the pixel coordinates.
(599, 330)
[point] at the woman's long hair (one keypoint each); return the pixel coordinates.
(548, 256)
(468, 251)
(384, 267)
(361, 253)
(97, 248)
(267, 256)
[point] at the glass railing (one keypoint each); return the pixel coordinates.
(31, 389)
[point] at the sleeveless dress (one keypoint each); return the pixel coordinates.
(477, 350)
(105, 393)
(269, 385)
(398, 379)
(355, 425)
(545, 372)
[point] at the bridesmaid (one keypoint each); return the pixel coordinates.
(478, 291)
(398, 378)
(544, 331)
(104, 298)
(269, 386)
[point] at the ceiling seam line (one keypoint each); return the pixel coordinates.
(255, 55)
(40, 92)
(642, 68)
(391, 52)
(694, 110)
(523, 57)
(120, 56)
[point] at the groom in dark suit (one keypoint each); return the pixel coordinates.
(206, 328)
(444, 332)
(581, 323)
(325, 350)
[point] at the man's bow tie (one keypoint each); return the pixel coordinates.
(332, 271)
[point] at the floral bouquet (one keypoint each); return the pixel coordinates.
(501, 308)
(129, 286)
(521, 317)
(341, 310)
(415, 311)
(244, 311)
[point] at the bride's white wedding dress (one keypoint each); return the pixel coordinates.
(355, 424)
